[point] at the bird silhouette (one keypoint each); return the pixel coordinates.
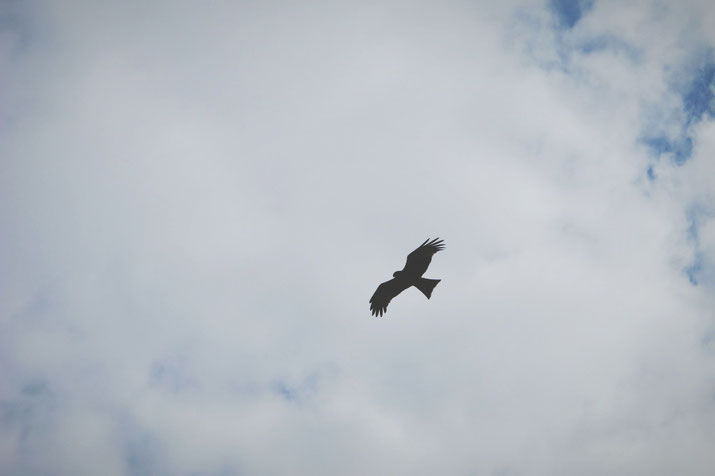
(411, 275)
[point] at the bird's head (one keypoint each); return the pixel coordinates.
(396, 274)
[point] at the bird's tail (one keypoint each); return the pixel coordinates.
(426, 285)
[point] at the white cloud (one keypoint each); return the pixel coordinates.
(196, 205)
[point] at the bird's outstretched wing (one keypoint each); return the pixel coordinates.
(419, 260)
(384, 294)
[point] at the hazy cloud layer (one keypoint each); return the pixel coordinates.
(197, 201)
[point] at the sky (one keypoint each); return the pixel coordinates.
(197, 200)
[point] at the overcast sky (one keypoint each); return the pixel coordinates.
(197, 200)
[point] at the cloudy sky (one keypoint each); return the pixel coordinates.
(197, 200)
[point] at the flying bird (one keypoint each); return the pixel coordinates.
(411, 275)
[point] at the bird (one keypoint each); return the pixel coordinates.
(410, 275)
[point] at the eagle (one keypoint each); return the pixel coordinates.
(410, 275)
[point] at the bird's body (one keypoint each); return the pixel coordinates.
(411, 275)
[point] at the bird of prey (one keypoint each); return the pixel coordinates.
(411, 275)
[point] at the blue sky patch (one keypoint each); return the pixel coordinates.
(680, 149)
(698, 95)
(569, 12)
(695, 85)
(694, 269)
